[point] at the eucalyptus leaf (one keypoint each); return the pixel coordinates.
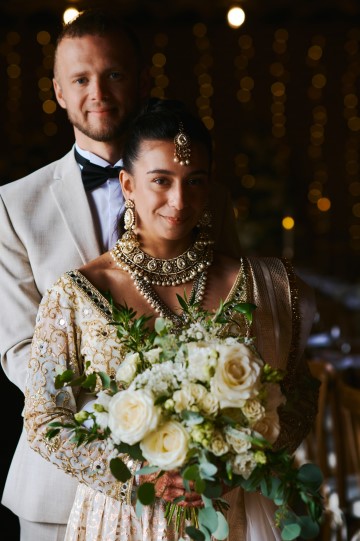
(138, 508)
(119, 470)
(309, 528)
(207, 470)
(191, 472)
(290, 532)
(310, 474)
(147, 469)
(222, 530)
(208, 518)
(195, 534)
(146, 493)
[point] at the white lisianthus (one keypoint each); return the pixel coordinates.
(243, 464)
(239, 440)
(132, 415)
(202, 360)
(167, 446)
(153, 355)
(128, 368)
(237, 376)
(197, 392)
(253, 410)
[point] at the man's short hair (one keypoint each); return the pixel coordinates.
(99, 22)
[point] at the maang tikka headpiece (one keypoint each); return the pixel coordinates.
(182, 152)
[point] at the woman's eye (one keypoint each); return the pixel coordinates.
(159, 181)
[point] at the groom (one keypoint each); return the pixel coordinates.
(64, 215)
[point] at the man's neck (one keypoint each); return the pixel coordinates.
(108, 151)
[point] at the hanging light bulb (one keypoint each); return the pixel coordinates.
(70, 14)
(235, 16)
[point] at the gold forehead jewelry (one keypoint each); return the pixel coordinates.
(182, 152)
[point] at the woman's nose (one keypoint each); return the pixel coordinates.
(178, 197)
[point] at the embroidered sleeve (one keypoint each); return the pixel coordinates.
(56, 347)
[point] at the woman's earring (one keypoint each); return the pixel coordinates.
(204, 224)
(129, 239)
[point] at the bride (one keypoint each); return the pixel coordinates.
(165, 249)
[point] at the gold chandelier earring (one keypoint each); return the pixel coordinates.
(129, 239)
(204, 224)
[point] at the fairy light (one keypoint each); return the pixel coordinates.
(70, 14)
(203, 73)
(157, 70)
(235, 17)
(46, 92)
(320, 203)
(14, 84)
(288, 225)
(352, 119)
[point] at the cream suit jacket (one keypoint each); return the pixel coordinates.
(47, 229)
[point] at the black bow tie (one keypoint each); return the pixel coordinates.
(94, 175)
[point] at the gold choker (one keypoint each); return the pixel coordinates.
(164, 272)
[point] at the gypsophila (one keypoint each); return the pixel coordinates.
(200, 402)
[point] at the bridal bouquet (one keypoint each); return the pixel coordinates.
(200, 401)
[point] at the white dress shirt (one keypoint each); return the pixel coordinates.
(106, 203)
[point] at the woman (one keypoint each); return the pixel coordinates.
(164, 252)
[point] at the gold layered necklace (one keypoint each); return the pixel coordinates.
(147, 270)
(163, 272)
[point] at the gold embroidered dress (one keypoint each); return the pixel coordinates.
(72, 328)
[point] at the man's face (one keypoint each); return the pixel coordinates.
(98, 82)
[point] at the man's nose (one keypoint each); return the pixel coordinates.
(99, 89)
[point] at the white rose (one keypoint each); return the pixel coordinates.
(237, 375)
(269, 426)
(132, 414)
(128, 368)
(167, 446)
(253, 410)
(274, 396)
(218, 445)
(238, 439)
(153, 355)
(183, 399)
(243, 464)
(202, 360)
(209, 404)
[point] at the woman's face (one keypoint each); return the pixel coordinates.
(169, 198)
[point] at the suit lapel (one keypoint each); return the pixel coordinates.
(72, 203)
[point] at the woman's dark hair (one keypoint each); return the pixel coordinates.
(160, 120)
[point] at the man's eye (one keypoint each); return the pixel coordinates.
(116, 76)
(81, 80)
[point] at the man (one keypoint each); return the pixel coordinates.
(53, 221)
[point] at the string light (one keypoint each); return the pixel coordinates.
(157, 70)
(70, 14)
(235, 17)
(203, 74)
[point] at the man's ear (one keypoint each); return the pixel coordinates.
(126, 182)
(59, 94)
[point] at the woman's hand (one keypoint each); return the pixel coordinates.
(170, 486)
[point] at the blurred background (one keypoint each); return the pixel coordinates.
(278, 86)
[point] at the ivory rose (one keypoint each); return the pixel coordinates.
(237, 375)
(132, 414)
(128, 368)
(167, 446)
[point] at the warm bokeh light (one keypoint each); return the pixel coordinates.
(70, 14)
(324, 204)
(288, 222)
(235, 17)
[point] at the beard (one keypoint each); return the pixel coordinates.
(108, 132)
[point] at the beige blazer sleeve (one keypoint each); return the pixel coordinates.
(46, 229)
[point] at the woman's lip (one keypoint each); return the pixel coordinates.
(175, 220)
